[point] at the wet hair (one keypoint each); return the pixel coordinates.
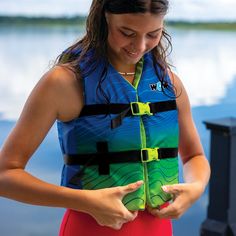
(97, 33)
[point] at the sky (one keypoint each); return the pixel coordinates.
(192, 10)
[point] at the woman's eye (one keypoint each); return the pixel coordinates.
(153, 36)
(127, 34)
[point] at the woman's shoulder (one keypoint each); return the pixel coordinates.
(68, 91)
(60, 74)
(174, 78)
(176, 82)
(182, 99)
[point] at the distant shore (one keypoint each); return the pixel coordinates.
(80, 20)
(227, 26)
(42, 21)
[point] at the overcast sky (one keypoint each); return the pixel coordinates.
(179, 9)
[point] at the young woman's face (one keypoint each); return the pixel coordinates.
(130, 36)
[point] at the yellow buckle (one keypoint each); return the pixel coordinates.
(139, 108)
(149, 154)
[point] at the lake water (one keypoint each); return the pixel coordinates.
(204, 60)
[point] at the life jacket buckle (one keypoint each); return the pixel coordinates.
(149, 154)
(139, 108)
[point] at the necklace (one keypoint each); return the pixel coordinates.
(127, 73)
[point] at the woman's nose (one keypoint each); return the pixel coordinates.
(140, 44)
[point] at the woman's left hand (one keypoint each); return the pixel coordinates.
(184, 195)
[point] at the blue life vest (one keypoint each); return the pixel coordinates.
(142, 131)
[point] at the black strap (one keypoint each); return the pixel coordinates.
(103, 158)
(155, 107)
(124, 110)
(116, 157)
(103, 109)
(103, 162)
(163, 106)
(117, 108)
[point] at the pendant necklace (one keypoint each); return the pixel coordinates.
(127, 73)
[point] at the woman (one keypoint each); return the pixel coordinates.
(121, 60)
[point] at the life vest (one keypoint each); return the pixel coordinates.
(124, 133)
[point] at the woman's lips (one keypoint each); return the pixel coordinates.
(132, 54)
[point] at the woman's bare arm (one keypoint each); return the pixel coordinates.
(58, 95)
(42, 108)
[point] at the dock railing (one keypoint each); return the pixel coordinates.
(221, 212)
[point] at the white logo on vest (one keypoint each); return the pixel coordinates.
(156, 87)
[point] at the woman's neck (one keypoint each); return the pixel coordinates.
(121, 67)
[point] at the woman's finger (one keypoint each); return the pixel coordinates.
(131, 187)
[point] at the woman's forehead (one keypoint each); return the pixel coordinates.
(137, 21)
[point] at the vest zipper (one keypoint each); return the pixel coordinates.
(137, 77)
(144, 144)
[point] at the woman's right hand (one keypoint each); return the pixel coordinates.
(106, 207)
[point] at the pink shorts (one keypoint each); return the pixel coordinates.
(76, 223)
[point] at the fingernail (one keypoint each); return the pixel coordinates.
(140, 182)
(164, 188)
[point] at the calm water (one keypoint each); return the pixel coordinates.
(204, 60)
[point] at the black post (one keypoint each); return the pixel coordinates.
(221, 214)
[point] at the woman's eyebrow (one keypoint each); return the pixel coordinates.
(156, 30)
(127, 28)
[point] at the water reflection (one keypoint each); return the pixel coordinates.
(230, 94)
(205, 62)
(26, 54)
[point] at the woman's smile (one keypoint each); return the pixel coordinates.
(133, 55)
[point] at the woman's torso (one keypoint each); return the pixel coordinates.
(114, 95)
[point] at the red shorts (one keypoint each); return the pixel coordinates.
(76, 223)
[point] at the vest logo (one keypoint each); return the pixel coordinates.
(156, 87)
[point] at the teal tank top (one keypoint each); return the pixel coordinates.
(147, 141)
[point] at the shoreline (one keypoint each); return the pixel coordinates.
(80, 20)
